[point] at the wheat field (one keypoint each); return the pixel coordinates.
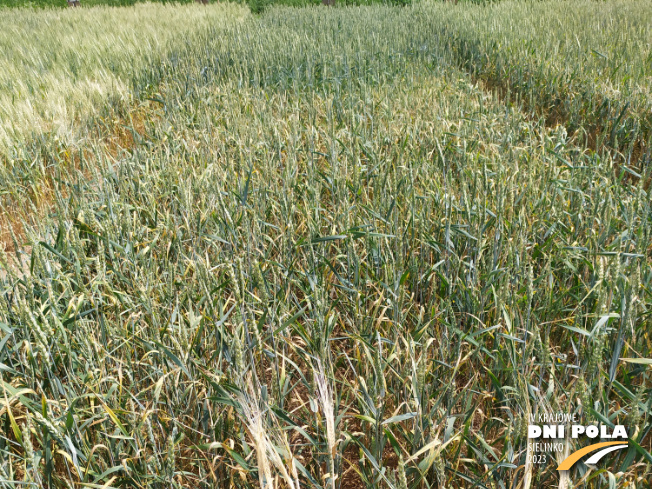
(332, 248)
(60, 67)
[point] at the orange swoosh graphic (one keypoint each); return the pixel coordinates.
(575, 456)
